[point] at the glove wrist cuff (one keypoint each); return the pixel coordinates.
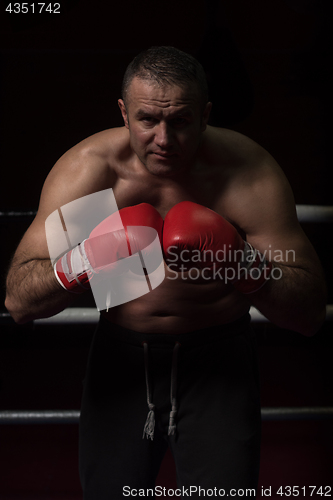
(254, 271)
(73, 270)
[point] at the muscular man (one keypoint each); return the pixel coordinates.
(215, 190)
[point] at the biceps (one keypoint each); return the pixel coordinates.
(33, 244)
(287, 247)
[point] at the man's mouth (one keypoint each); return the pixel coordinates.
(164, 156)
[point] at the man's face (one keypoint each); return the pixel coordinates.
(165, 124)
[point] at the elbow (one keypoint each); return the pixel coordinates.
(16, 311)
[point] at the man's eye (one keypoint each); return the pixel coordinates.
(147, 119)
(179, 121)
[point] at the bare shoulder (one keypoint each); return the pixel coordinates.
(248, 168)
(255, 193)
(88, 167)
(257, 198)
(235, 150)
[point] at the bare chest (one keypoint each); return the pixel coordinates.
(163, 194)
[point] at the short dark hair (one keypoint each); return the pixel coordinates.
(166, 66)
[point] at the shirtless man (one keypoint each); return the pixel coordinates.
(164, 155)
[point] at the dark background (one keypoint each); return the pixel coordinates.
(269, 66)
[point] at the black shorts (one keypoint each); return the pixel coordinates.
(202, 390)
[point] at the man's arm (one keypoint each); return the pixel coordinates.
(32, 290)
(295, 295)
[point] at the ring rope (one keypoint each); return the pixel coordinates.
(65, 417)
(305, 213)
(90, 316)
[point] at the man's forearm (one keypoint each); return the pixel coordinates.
(33, 291)
(293, 298)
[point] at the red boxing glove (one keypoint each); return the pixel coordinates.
(108, 243)
(197, 237)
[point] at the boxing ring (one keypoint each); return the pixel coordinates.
(89, 316)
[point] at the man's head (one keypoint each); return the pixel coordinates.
(165, 108)
(167, 66)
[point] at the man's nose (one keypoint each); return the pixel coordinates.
(163, 136)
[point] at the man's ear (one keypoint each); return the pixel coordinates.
(205, 116)
(123, 110)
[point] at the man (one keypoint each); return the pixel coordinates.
(215, 192)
